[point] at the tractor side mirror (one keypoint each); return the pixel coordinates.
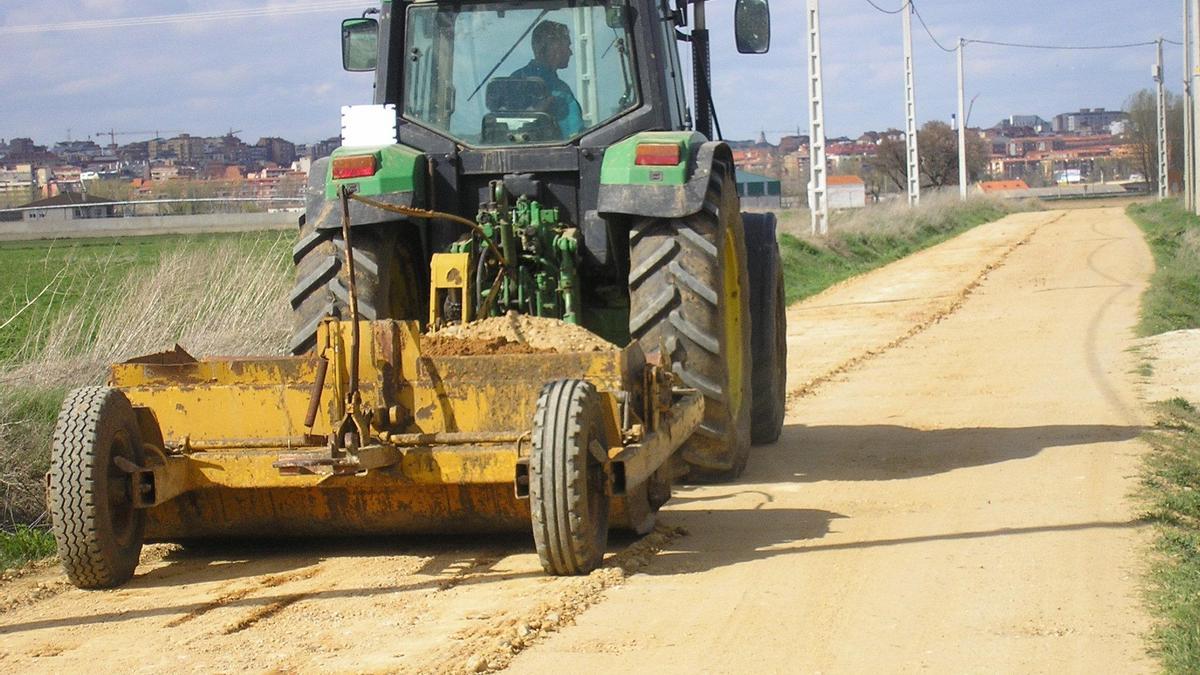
(752, 26)
(614, 16)
(360, 45)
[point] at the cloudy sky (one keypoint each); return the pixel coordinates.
(280, 74)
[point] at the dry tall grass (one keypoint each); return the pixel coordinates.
(227, 300)
(224, 300)
(896, 217)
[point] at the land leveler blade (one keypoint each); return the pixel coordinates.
(185, 449)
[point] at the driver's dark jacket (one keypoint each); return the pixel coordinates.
(567, 111)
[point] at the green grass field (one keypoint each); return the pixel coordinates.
(1172, 491)
(39, 279)
(1173, 301)
(1171, 479)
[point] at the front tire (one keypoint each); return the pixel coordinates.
(98, 531)
(689, 301)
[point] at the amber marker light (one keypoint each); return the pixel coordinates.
(354, 166)
(657, 154)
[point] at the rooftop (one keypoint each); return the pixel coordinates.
(69, 199)
(1002, 185)
(844, 180)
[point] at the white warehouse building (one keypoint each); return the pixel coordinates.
(846, 192)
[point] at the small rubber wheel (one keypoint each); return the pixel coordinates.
(567, 482)
(98, 531)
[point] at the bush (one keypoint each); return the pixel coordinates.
(23, 544)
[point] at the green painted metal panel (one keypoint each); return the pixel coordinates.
(619, 167)
(397, 171)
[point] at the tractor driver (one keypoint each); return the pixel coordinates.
(552, 53)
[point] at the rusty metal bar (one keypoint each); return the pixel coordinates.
(279, 443)
(314, 401)
(354, 336)
(455, 438)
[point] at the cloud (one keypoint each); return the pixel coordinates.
(86, 85)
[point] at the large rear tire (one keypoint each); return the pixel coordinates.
(567, 492)
(768, 312)
(385, 270)
(689, 301)
(98, 531)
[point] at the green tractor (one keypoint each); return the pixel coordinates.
(550, 144)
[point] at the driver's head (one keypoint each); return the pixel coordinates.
(552, 44)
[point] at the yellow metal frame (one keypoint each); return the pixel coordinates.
(450, 271)
(454, 431)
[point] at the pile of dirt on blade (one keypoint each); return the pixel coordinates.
(512, 331)
(444, 345)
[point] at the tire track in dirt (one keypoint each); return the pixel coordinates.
(493, 645)
(1096, 368)
(265, 612)
(810, 387)
(236, 595)
(455, 609)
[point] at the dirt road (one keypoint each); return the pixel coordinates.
(950, 494)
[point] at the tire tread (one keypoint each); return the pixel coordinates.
(74, 508)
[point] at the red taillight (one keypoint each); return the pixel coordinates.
(657, 154)
(355, 166)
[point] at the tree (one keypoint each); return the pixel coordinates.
(1142, 133)
(938, 146)
(892, 161)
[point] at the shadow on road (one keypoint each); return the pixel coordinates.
(889, 452)
(722, 537)
(752, 520)
(210, 560)
(269, 569)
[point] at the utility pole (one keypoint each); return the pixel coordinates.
(910, 112)
(1163, 188)
(1194, 78)
(817, 184)
(1189, 178)
(962, 126)
(701, 71)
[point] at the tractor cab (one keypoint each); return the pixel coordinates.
(496, 74)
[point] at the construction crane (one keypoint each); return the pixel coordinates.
(112, 135)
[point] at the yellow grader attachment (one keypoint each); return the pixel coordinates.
(374, 441)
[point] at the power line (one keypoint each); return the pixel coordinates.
(163, 19)
(920, 18)
(888, 11)
(930, 33)
(1019, 45)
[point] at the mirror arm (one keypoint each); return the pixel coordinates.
(680, 13)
